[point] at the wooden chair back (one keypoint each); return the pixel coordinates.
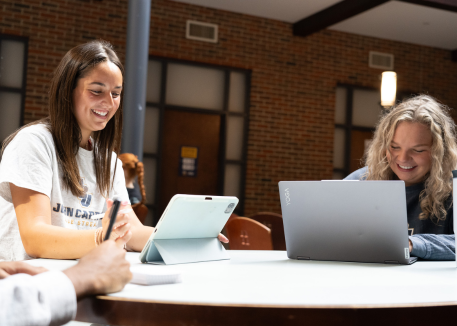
(247, 234)
(274, 222)
(141, 211)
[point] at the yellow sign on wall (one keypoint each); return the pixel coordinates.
(188, 161)
(189, 152)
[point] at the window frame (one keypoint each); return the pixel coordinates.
(224, 113)
(23, 89)
(348, 125)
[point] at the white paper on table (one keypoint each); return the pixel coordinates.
(145, 274)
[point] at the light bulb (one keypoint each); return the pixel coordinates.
(388, 88)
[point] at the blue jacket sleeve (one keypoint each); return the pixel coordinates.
(433, 246)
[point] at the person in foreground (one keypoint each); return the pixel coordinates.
(33, 296)
(58, 173)
(416, 142)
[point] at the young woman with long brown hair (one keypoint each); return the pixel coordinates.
(58, 172)
(416, 142)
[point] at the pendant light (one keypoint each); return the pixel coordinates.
(388, 88)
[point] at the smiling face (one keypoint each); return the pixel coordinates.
(97, 97)
(409, 153)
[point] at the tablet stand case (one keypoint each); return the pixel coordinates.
(181, 251)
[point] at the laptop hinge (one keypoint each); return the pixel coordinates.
(302, 258)
(391, 262)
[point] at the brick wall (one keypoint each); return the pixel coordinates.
(293, 78)
(53, 27)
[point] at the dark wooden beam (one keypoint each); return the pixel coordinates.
(454, 55)
(332, 15)
(449, 5)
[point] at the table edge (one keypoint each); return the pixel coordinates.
(304, 306)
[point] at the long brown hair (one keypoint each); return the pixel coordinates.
(62, 123)
(134, 169)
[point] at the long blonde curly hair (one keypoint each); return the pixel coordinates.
(426, 110)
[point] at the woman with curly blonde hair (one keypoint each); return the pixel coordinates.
(416, 142)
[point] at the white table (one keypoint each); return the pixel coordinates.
(262, 286)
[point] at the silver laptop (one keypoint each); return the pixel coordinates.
(357, 221)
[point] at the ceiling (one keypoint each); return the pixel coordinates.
(393, 20)
(289, 11)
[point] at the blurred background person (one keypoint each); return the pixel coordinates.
(134, 171)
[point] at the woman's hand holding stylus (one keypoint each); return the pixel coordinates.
(121, 230)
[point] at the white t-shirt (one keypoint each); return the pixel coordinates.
(30, 161)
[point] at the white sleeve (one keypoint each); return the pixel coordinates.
(45, 299)
(27, 163)
(119, 187)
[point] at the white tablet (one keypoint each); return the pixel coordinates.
(189, 217)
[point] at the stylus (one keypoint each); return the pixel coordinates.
(112, 219)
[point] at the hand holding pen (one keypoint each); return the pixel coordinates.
(120, 226)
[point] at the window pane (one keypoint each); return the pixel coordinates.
(11, 63)
(153, 87)
(235, 133)
(196, 87)
(237, 92)
(339, 148)
(232, 180)
(360, 141)
(150, 179)
(340, 105)
(151, 130)
(366, 108)
(10, 113)
(150, 217)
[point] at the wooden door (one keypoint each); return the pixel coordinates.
(359, 144)
(189, 129)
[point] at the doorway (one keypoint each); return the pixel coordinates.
(360, 140)
(357, 111)
(185, 100)
(193, 131)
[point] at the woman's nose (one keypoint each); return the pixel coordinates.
(108, 99)
(403, 156)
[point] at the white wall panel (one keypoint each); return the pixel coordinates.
(235, 134)
(10, 113)
(153, 86)
(340, 105)
(338, 148)
(151, 130)
(194, 86)
(11, 63)
(237, 92)
(232, 180)
(150, 179)
(366, 107)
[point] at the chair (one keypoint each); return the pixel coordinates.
(274, 222)
(247, 234)
(141, 211)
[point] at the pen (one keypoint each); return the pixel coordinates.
(112, 219)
